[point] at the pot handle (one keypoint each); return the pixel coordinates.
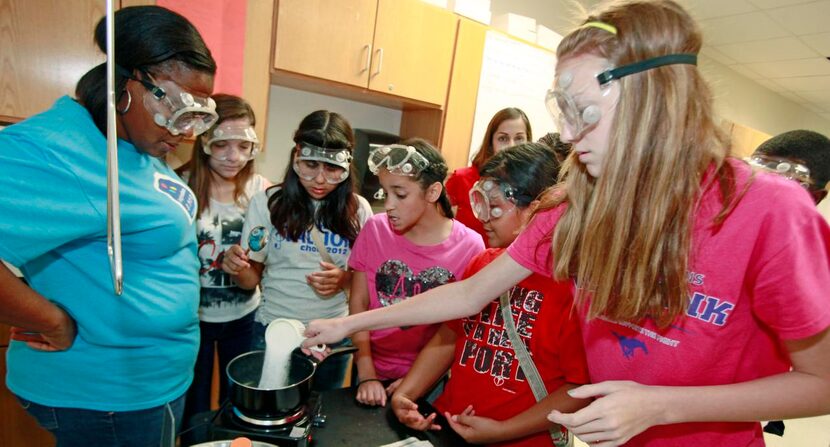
(335, 351)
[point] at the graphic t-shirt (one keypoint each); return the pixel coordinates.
(485, 371)
(759, 278)
(397, 269)
(220, 227)
(285, 292)
(135, 350)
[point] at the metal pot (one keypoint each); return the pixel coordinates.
(276, 406)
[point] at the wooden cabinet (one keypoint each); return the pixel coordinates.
(47, 46)
(397, 47)
(329, 39)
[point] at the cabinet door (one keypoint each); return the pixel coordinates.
(413, 50)
(329, 39)
(47, 46)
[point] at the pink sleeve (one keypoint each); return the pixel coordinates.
(531, 249)
(790, 275)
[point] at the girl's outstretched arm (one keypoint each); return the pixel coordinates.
(450, 301)
(624, 409)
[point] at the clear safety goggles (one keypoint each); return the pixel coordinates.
(783, 167)
(311, 161)
(577, 109)
(397, 159)
(489, 198)
(175, 109)
(216, 142)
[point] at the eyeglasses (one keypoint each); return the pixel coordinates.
(310, 161)
(397, 159)
(308, 170)
(486, 195)
(577, 121)
(218, 142)
(173, 108)
(783, 167)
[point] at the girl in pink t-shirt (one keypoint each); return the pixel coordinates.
(701, 286)
(415, 246)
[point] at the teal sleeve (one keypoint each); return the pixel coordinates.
(42, 204)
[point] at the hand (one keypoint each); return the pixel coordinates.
(235, 260)
(371, 392)
(622, 410)
(407, 413)
(319, 354)
(474, 429)
(324, 332)
(327, 281)
(58, 339)
(390, 390)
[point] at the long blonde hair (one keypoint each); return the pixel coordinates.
(626, 235)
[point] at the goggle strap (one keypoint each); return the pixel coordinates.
(637, 67)
(157, 91)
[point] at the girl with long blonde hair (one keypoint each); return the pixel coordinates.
(700, 284)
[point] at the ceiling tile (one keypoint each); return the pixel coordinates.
(770, 85)
(769, 4)
(717, 55)
(768, 50)
(707, 9)
(741, 28)
(818, 42)
(819, 95)
(802, 67)
(748, 71)
(805, 83)
(807, 18)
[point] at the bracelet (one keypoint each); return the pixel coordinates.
(369, 380)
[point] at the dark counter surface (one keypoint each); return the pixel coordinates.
(349, 423)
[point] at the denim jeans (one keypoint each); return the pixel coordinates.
(330, 373)
(75, 427)
(230, 339)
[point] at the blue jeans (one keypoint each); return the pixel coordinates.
(75, 427)
(230, 339)
(330, 373)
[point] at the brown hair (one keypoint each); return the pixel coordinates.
(228, 107)
(626, 235)
(486, 150)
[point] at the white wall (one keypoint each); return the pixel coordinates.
(287, 107)
(744, 101)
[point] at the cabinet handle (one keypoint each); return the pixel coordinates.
(368, 65)
(379, 51)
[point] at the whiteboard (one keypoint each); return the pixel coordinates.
(513, 74)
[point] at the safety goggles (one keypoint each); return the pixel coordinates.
(173, 108)
(397, 159)
(216, 142)
(783, 167)
(310, 161)
(577, 107)
(489, 198)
